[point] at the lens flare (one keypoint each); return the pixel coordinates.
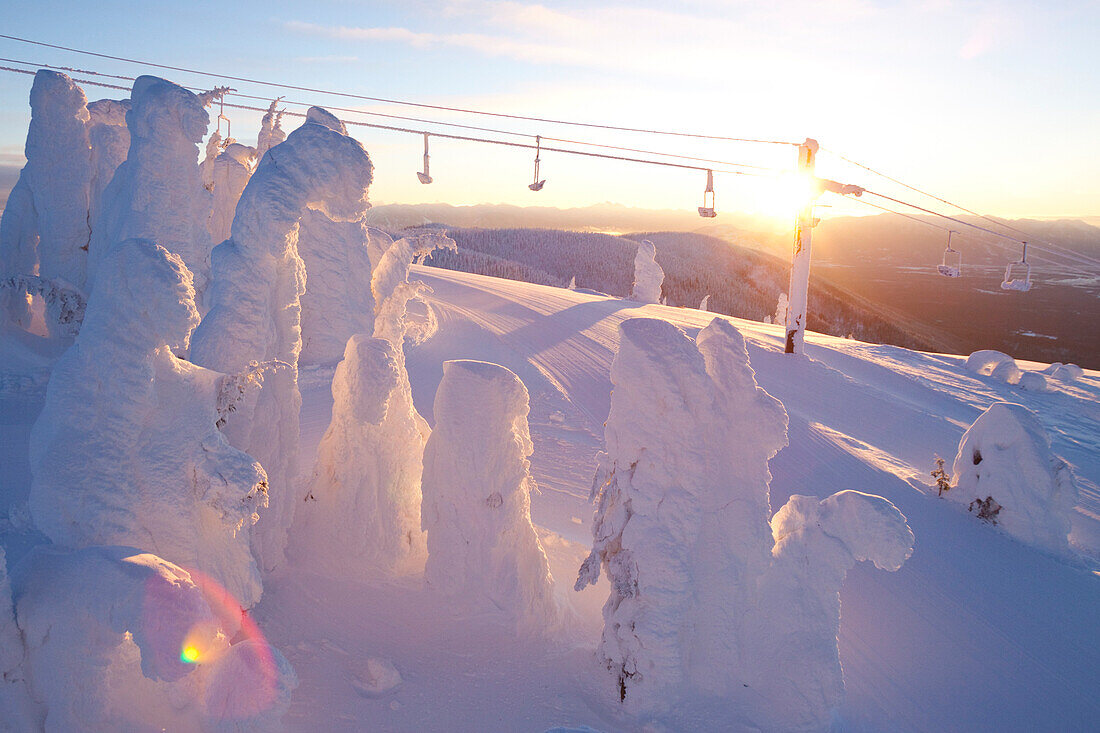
(190, 654)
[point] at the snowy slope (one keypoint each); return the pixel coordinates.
(976, 632)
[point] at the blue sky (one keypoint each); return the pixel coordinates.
(995, 104)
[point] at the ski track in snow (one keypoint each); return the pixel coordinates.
(976, 632)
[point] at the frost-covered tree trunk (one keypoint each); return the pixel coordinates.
(1006, 454)
(703, 603)
(44, 230)
(157, 193)
(648, 275)
(483, 552)
(255, 308)
(229, 175)
(125, 451)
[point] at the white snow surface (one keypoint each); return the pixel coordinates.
(648, 275)
(255, 308)
(1006, 454)
(977, 631)
(157, 192)
(483, 551)
(125, 450)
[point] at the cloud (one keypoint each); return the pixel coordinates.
(326, 59)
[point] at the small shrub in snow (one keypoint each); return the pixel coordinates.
(987, 509)
(64, 304)
(943, 481)
(1007, 452)
(483, 552)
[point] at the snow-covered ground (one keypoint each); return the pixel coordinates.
(976, 632)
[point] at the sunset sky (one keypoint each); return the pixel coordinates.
(993, 104)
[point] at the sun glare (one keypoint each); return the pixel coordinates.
(190, 654)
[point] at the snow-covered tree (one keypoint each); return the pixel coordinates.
(362, 514)
(703, 602)
(704, 304)
(125, 451)
(112, 635)
(229, 175)
(110, 141)
(781, 310)
(254, 299)
(1006, 455)
(483, 552)
(648, 275)
(157, 193)
(44, 230)
(271, 131)
(206, 167)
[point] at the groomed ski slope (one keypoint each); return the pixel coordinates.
(976, 632)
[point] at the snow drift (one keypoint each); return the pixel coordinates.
(1006, 455)
(483, 552)
(254, 298)
(708, 597)
(125, 451)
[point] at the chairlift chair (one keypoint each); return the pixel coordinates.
(536, 184)
(424, 176)
(228, 125)
(707, 211)
(952, 260)
(1018, 274)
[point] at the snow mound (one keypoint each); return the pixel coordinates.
(1064, 372)
(483, 551)
(1006, 455)
(125, 451)
(710, 595)
(362, 514)
(648, 275)
(116, 639)
(985, 361)
(378, 676)
(157, 193)
(1034, 382)
(255, 308)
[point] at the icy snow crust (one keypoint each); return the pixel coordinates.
(125, 451)
(1006, 454)
(255, 307)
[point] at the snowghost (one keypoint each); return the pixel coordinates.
(157, 193)
(362, 513)
(44, 229)
(110, 141)
(648, 275)
(254, 298)
(704, 603)
(126, 451)
(363, 506)
(483, 551)
(229, 175)
(271, 131)
(118, 639)
(1006, 455)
